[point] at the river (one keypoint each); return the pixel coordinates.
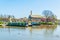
(42, 32)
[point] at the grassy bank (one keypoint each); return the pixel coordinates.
(47, 23)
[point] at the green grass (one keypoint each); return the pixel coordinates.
(46, 23)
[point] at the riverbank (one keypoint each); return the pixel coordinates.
(24, 24)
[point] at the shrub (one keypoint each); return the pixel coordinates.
(1, 22)
(42, 22)
(49, 23)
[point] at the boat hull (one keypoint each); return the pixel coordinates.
(17, 24)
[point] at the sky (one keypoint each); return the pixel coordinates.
(22, 8)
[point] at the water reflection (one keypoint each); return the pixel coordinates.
(47, 29)
(43, 32)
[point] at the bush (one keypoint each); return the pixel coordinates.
(42, 22)
(1, 22)
(49, 23)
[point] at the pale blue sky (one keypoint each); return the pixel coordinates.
(21, 8)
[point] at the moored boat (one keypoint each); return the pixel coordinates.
(21, 24)
(33, 24)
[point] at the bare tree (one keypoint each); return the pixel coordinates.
(48, 14)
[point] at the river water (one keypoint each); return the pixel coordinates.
(42, 32)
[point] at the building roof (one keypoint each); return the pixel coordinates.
(36, 16)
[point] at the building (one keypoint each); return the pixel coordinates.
(34, 18)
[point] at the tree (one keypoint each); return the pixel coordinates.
(48, 14)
